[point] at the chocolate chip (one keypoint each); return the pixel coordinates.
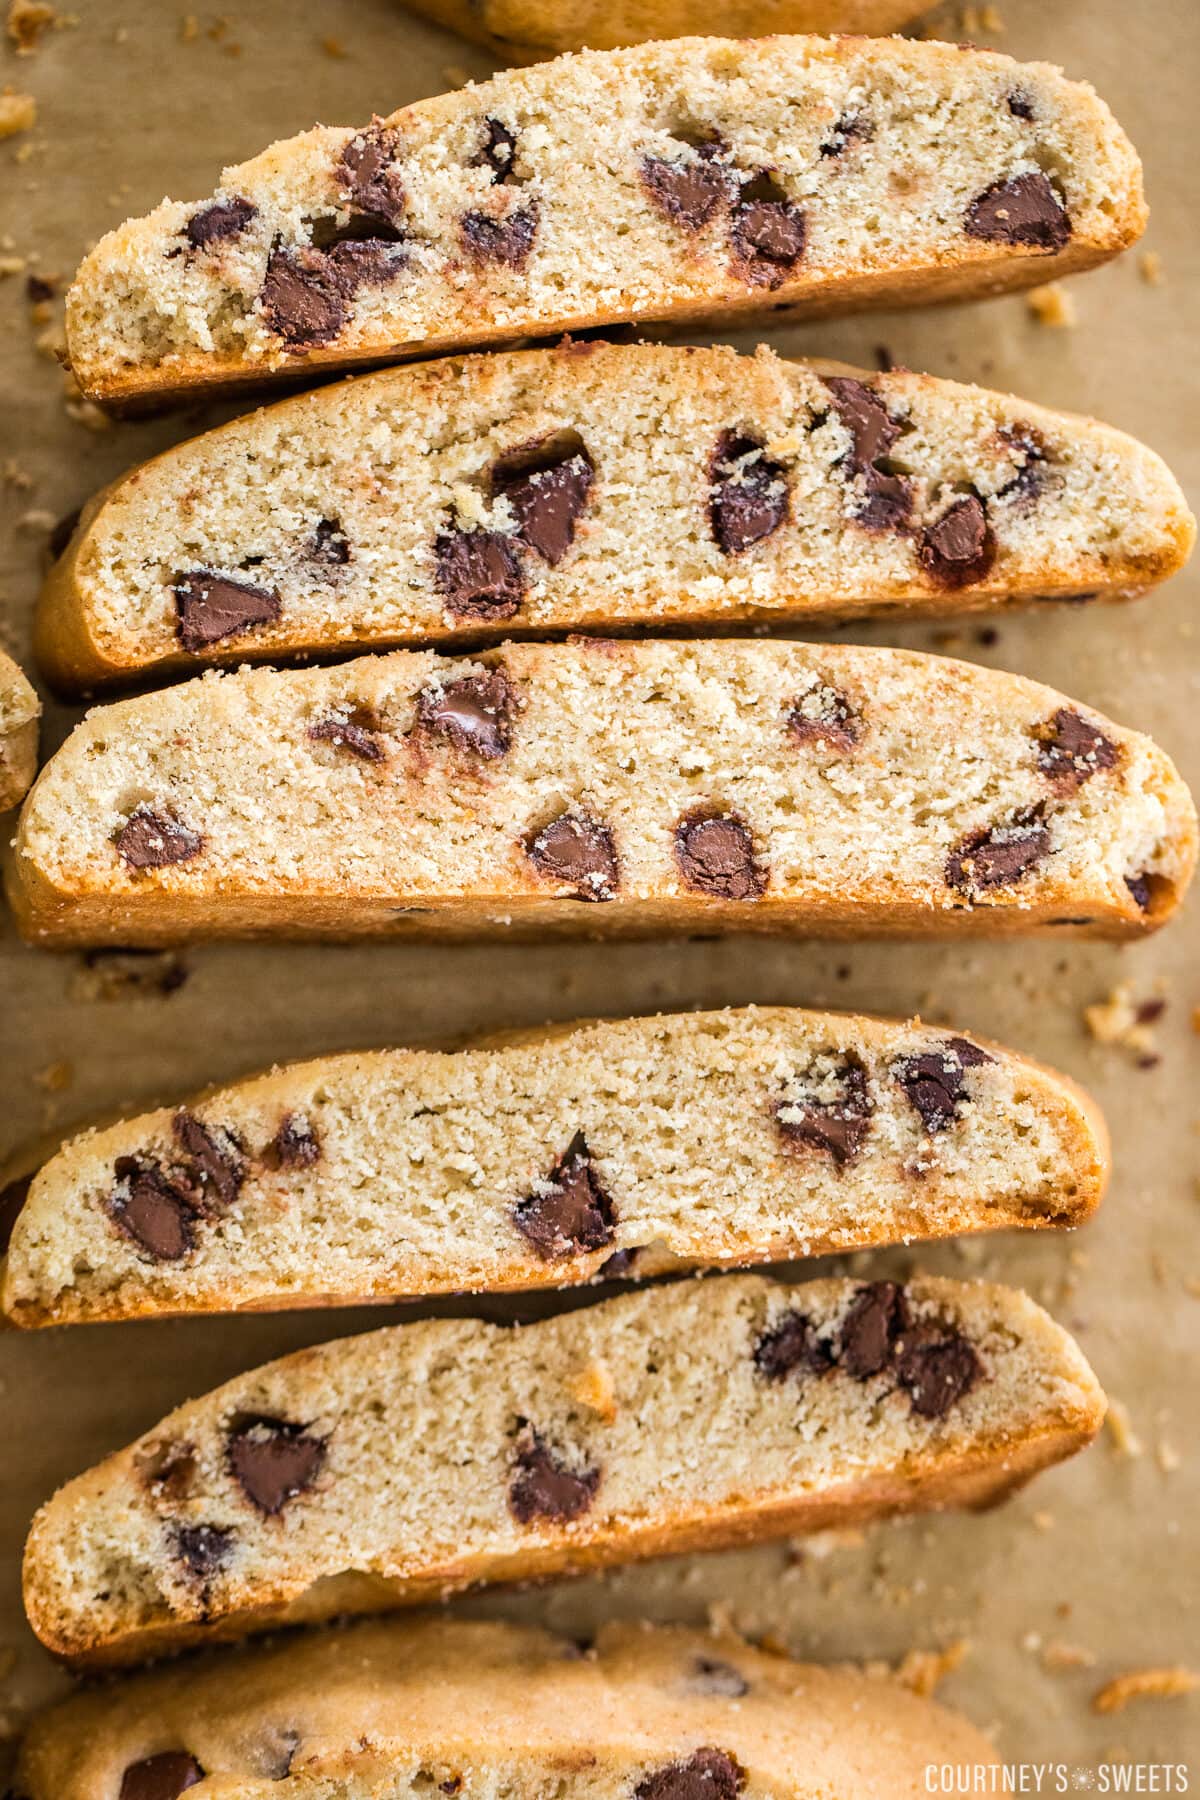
(351, 728)
(169, 1470)
(213, 607)
(161, 1777)
(508, 240)
(689, 193)
(577, 851)
(497, 151)
(547, 493)
(748, 499)
(875, 1322)
(273, 1460)
(714, 853)
(1028, 481)
(219, 220)
(475, 714)
(543, 1487)
(1139, 887)
(768, 232)
(327, 545)
(295, 1144)
(958, 548)
(1022, 210)
(366, 171)
(155, 840)
(933, 1080)
(154, 1207)
(214, 1153)
(824, 716)
(888, 498)
(276, 1752)
(999, 855)
(709, 1675)
(478, 573)
(829, 1108)
(851, 128)
(937, 1368)
(1020, 104)
(1070, 750)
(203, 1549)
(620, 1263)
(706, 1775)
(356, 263)
(790, 1346)
(569, 1212)
(302, 299)
(12, 1198)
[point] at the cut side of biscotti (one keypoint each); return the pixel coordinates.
(572, 1153)
(598, 486)
(671, 181)
(601, 787)
(496, 1711)
(20, 710)
(389, 1468)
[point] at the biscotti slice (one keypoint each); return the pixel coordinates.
(600, 486)
(602, 788)
(20, 710)
(674, 181)
(412, 1708)
(390, 1468)
(570, 1153)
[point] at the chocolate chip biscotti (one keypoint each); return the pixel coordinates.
(600, 486)
(672, 181)
(20, 710)
(389, 1468)
(399, 1709)
(600, 787)
(559, 1156)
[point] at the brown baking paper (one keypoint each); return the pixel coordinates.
(1093, 1569)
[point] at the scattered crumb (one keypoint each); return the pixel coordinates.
(189, 28)
(923, 1671)
(1052, 305)
(27, 19)
(18, 112)
(593, 1387)
(123, 974)
(1166, 1683)
(1043, 1520)
(1167, 1457)
(15, 265)
(56, 1077)
(1056, 1655)
(1124, 1022)
(972, 19)
(820, 1544)
(1150, 268)
(40, 288)
(1191, 1286)
(80, 411)
(36, 521)
(1126, 1442)
(334, 47)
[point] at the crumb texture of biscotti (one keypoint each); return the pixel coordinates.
(672, 181)
(575, 1153)
(604, 788)
(598, 486)
(498, 1711)
(389, 1468)
(20, 710)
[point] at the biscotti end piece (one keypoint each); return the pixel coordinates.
(602, 788)
(598, 487)
(733, 1409)
(20, 710)
(555, 1158)
(658, 1712)
(674, 181)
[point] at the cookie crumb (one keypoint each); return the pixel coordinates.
(1057, 1656)
(1167, 1457)
(1125, 1440)
(189, 28)
(1167, 1683)
(1052, 305)
(1150, 268)
(56, 1077)
(1043, 1520)
(593, 1388)
(1124, 1022)
(18, 112)
(27, 20)
(923, 1671)
(334, 48)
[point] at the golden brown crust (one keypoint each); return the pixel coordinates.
(20, 710)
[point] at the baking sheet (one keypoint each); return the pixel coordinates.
(1099, 1556)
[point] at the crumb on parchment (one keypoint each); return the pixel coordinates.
(1052, 305)
(18, 112)
(1170, 1682)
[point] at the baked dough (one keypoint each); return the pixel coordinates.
(20, 710)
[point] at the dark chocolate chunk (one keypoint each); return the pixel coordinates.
(936, 1368)
(352, 728)
(219, 220)
(303, 301)
(999, 855)
(154, 840)
(1070, 750)
(214, 607)
(365, 262)
(478, 573)
(327, 545)
(933, 1080)
(214, 1155)
(790, 1346)
(273, 1460)
(547, 493)
(475, 714)
(544, 1487)
(577, 851)
(203, 1549)
(1139, 887)
(161, 1777)
(825, 717)
(295, 1145)
(569, 1211)
(619, 1264)
(851, 128)
(169, 1470)
(768, 232)
(958, 548)
(706, 1775)
(1019, 103)
(1025, 486)
(367, 172)
(1023, 210)
(497, 151)
(714, 853)
(508, 240)
(748, 498)
(154, 1207)
(828, 1111)
(689, 193)
(709, 1675)
(888, 498)
(12, 1198)
(872, 1329)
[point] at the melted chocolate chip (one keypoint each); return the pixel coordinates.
(508, 240)
(1019, 103)
(214, 1155)
(497, 151)
(933, 1080)
(790, 1346)
(714, 853)
(212, 607)
(154, 1207)
(356, 263)
(709, 1675)
(999, 855)
(161, 1777)
(1023, 210)
(1070, 750)
(327, 545)
(12, 1198)
(155, 840)
(825, 717)
(958, 548)
(888, 498)
(748, 499)
(547, 494)
(219, 220)
(872, 1328)
(273, 1460)
(295, 1144)
(302, 299)
(689, 193)
(478, 573)
(705, 1775)
(937, 1368)
(1139, 887)
(569, 1212)
(354, 729)
(828, 1110)
(619, 1264)
(543, 1487)
(577, 851)
(475, 714)
(768, 232)
(366, 171)
(851, 128)
(203, 1549)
